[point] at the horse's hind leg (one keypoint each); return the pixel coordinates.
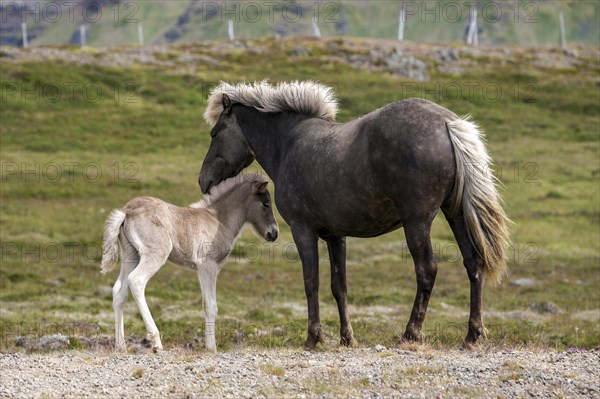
(474, 265)
(419, 244)
(149, 264)
(337, 258)
(129, 260)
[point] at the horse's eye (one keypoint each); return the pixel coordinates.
(213, 134)
(266, 204)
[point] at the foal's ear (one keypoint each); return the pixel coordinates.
(262, 187)
(226, 104)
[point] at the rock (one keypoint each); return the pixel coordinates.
(524, 282)
(53, 342)
(9, 52)
(407, 66)
(546, 307)
(300, 51)
(379, 348)
(451, 69)
(448, 54)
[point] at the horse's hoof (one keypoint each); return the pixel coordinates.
(310, 346)
(122, 348)
(411, 337)
(469, 345)
(157, 349)
(311, 343)
(314, 337)
(474, 336)
(349, 342)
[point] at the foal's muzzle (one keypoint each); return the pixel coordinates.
(272, 235)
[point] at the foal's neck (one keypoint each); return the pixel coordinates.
(230, 215)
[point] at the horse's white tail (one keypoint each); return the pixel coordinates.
(475, 192)
(110, 245)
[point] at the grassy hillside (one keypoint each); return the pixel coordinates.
(78, 140)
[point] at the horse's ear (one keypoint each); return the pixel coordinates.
(226, 104)
(262, 187)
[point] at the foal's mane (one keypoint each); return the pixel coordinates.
(306, 97)
(225, 187)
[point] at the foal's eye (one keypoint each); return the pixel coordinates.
(266, 204)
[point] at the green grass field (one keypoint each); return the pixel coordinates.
(79, 140)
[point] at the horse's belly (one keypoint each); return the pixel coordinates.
(371, 221)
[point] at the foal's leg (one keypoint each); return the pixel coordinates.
(149, 264)
(474, 265)
(337, 258)
(207, 275)
(419, 244)
(129, 260)
(306, 242)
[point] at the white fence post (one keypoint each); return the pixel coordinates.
(230, 30)
(472, 34)
(315, 28)
(140, 28)
(563, 36)
(82, 32)
(401, 25)
(475, 28)
(25, 39)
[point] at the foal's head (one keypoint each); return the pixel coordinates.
(260, 211)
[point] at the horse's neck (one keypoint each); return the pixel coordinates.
(267, 135)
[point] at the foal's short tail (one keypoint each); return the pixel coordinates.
(475, 193)
(110, 245)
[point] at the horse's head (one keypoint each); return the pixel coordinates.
(229, 151)
(260, 211)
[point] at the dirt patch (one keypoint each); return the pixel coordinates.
(365, 372)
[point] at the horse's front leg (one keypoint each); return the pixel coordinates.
(207, 275)
(337, 258)
(306, 242)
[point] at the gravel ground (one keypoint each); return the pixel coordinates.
(366, 372)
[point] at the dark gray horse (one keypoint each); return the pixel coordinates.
(396, 166)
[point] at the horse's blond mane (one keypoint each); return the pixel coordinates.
(306, 97)
(226, 186)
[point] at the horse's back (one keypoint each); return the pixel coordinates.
(411, 155)
(377, 171)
